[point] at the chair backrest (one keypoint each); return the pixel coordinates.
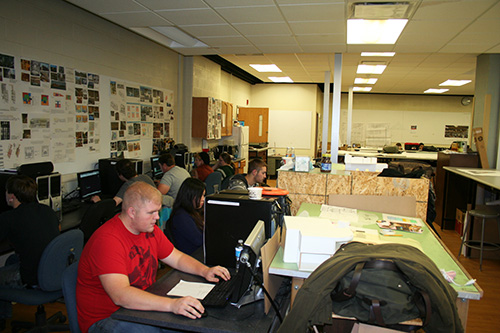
(59, 254)
(69, 291)
(225, 183)
(214, 179)
(96, 215)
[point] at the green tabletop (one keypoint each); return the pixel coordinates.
(428, 241)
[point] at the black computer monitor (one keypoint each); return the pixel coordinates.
(89, 183)
(156, 171)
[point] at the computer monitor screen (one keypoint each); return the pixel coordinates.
(55, 185)
(155, 167)
(89, 183)
(43, 187)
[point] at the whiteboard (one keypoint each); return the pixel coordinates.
(290, 129)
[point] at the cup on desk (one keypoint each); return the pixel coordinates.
(255, 193)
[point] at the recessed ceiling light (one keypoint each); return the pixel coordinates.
(454, 83)
(361, 88)
(378, 54)
(435, 91)
(370, 69)
(266, 68)
(181, 38)
(280, 79)
(374, 31)
(360, 80)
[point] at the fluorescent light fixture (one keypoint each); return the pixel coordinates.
(361, 88)
(180, 38)
(435, 91)
(374, 31)
(370, 69)
(455, 83)
(266, 68)
(279, 79)
(378, 54)
(360, 80)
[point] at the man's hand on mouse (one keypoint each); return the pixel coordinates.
(189, 307)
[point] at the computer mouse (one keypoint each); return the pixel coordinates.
(204, 314)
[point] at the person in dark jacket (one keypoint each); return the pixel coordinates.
(29, 227)
(185, 225)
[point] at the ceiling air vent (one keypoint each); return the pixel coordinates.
(382, 10)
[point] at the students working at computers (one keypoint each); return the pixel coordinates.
(127, 173)
(172, 179)
(224, 165)
(203, 169)
(257, 173)
(120, 261)
(29, 227)
(185, 226)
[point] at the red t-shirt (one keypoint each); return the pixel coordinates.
(203, 171)
(113, 249)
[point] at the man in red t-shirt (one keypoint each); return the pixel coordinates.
(120, 261)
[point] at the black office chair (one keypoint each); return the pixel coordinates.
(213, 183)
(69, 290)
(61, 252)
(96, 215)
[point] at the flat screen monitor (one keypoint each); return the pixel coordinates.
(155, 167)
(89, 183)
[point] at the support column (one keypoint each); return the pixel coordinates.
(487, 104)
(349, 117)
(337, 84)
(326, 113)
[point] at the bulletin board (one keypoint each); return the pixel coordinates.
(290, 129)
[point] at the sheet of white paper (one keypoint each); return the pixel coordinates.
(339, 213)
(195, 289)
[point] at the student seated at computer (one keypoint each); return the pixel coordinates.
(257, 173)
(119, 263)
(172, 179)
(126, 172)
(224, 165)
(185, 225)
(202, 163)
(29, 227)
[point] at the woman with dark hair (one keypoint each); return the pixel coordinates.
(185, 226)
(203, 169)
(225, 166)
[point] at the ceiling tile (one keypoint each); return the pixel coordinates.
(313, 12)
(224, 41)
(318, 27)
(210, 30)
(272, 40)
(171, 4)
(256, 29)
(137, 19)
(232, 3)
(250, 14)
(108, 6)
(191, 17)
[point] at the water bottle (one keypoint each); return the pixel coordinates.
(237, 251)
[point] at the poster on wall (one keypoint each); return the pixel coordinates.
(138, 112)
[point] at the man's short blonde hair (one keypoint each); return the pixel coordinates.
(140, 193)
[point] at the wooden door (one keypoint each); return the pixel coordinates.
(257, 119)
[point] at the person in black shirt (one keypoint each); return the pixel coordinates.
(29, 227)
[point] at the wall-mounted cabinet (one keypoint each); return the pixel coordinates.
(227, 119)
(206, 118)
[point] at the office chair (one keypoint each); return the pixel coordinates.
(69, 291)
(61, 252)
(213, 183)
(225, 183)
(96, 215)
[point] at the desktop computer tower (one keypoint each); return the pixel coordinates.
(230, 217)
(55, 193)
(110, 183)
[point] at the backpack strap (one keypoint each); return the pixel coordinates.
(350, 291)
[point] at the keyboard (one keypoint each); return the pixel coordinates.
(70, 206)
(220, 294)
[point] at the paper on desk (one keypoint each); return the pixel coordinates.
(339, 213)
(195, 289)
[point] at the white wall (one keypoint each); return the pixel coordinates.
(289, 97)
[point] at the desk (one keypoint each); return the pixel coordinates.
(433, 247)
(405, 155)
(249, 318)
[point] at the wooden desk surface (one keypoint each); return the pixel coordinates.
(430, 243)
